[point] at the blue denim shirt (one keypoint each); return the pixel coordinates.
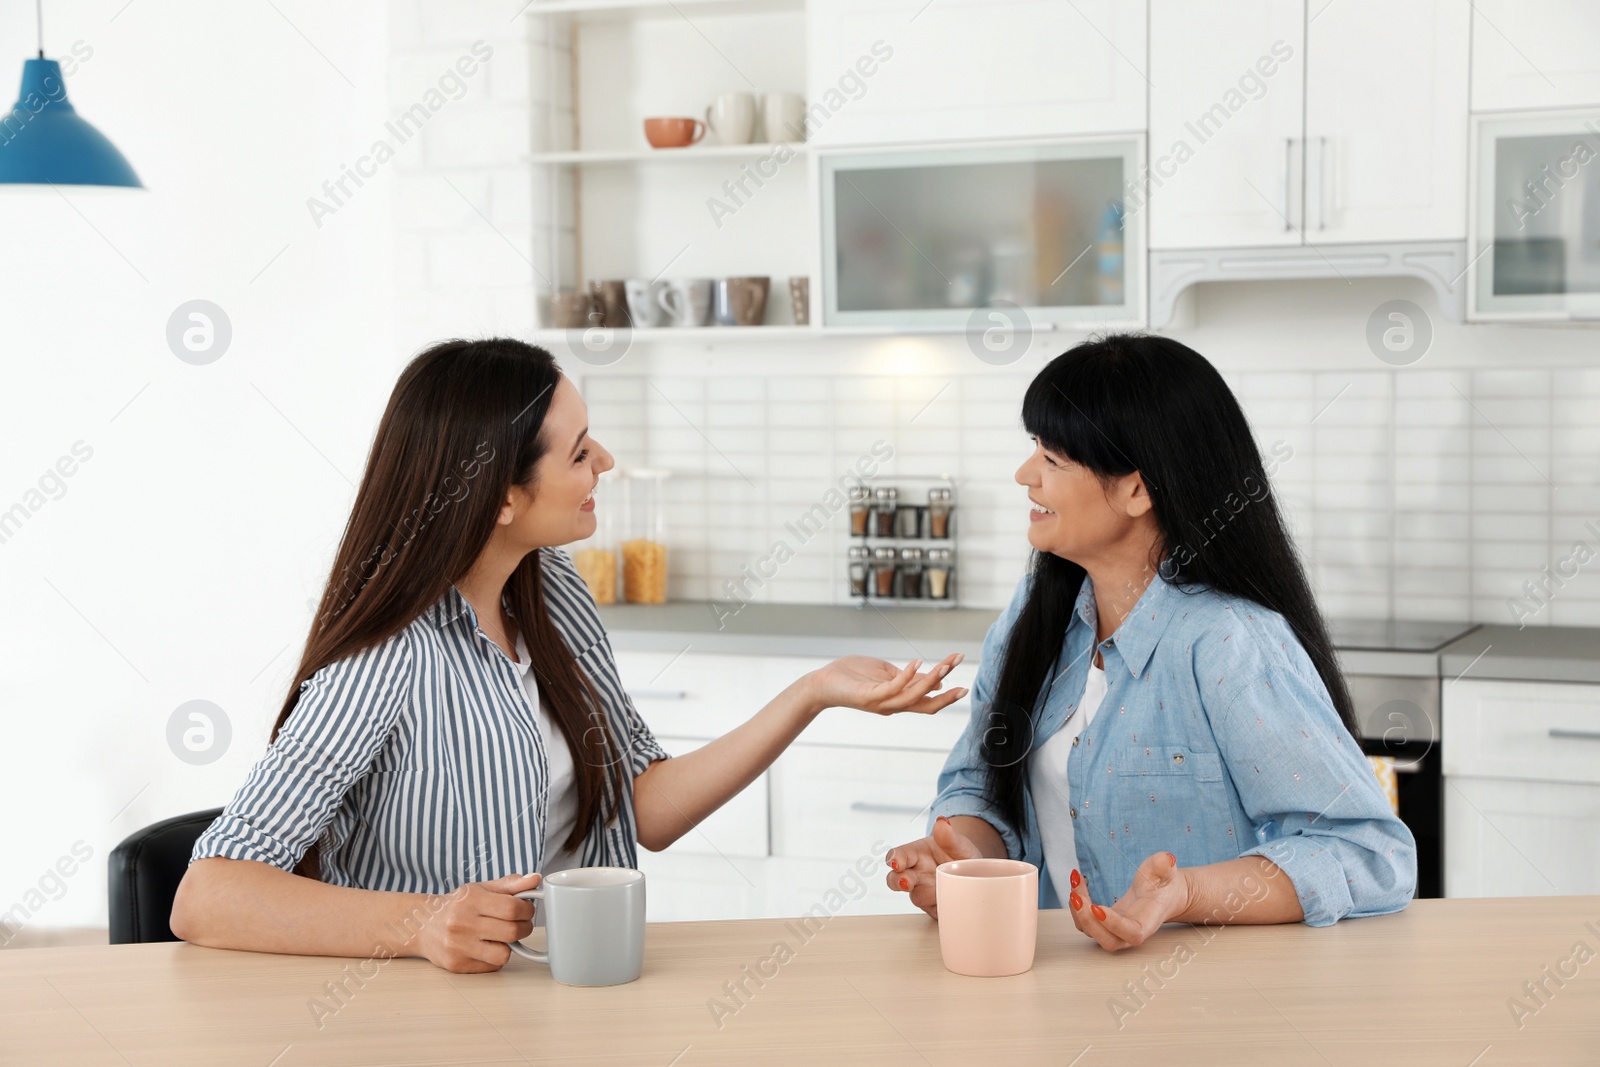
(1216, 738)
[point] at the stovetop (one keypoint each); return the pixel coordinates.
(1396, 635)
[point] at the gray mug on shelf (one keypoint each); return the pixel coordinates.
(593, 924)
(687, 302)
(741, 301)
(644, 304)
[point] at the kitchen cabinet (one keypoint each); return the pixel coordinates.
(1522, 788)
(811, 830)
(1535, 54)
(1269, 127)
(899, 71)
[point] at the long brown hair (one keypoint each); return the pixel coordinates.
(462, 426)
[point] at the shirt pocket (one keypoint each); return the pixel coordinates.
(1169, 795)
(1165, 758)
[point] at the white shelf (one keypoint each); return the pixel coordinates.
(622, 9)
(780, 333)
(691, 154)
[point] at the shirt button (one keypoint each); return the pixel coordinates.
(1074, 742)
(1074, 812)
(1177, 757)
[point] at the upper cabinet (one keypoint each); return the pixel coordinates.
(898, 71)
(1535, 54)
(1275, 124)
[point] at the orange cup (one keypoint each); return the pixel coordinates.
(673, 132)
(988, 916)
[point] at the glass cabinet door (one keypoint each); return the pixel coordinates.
(1536, 217)
(923, 237)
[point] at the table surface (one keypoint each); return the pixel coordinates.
(1433, 984)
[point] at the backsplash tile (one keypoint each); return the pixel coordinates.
(1415, 494)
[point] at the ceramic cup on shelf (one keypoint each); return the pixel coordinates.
(644, 301)
(988, 915)
(673, 132)
(687, 302)
(610, 299)
(593, 923)
(741, 301)
(783, 116)
(570, 311)
(800, 300)
(732, 117)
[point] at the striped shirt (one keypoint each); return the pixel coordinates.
(417, 765)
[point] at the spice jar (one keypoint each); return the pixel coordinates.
(858, 570)
(909, 521)
(883, 570)
(644, 552)
(911, 573)
(597, 559)
(860, 510)
(939, 513)
(938, 573)
(884, 506)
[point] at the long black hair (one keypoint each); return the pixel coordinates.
(1137, 402)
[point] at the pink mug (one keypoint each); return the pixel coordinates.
(988, 915)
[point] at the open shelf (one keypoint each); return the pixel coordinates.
(777, 333)
(691, 154)
(622, 9)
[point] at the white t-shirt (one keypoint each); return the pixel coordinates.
(1047, 778)
(563, 796)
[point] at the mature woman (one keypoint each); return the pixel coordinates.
(1158, 720)
(457, 726)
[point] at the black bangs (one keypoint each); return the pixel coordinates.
(1077, 408)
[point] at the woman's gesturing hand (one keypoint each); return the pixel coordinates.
(468, 934)
(878, 686)
(912, 866)
(1159, 893)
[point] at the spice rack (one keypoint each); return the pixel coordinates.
(902, 551)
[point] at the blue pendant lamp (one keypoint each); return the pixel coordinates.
(44, 142)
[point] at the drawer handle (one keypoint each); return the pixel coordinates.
(658, 694)
(872, 808)
(1586, 735)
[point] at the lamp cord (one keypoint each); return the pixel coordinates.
(39, 21)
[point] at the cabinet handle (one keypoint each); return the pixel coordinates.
(1585, 735)
(658, 694)
(1322, 181)
(870, 807)
(1288, 183)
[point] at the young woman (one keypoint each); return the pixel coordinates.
(457, 726)
(1158, 720)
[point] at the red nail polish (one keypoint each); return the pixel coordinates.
(895, 864)
(1077, 879)
(1173, 858)
(905, 884)
(1099, 912)
(1077, 902)
(943, 818)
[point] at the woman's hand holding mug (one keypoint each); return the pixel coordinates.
(912, 866)
(879, 687)
(468, 933)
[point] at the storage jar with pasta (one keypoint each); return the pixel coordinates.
(644, 545)
(596, 558)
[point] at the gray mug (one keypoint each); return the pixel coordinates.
(593, 924)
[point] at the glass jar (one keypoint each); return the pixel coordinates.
(910, 522)
(597, 559)
(939, 513)
(644, 548)
(885, 500)
(937, 573)
(911, 573)
(858, 570)
(860, 510)
(883, 571)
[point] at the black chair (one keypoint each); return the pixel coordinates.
(144, 872)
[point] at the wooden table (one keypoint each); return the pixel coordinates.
(1433, 984)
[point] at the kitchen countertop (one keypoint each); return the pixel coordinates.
(1537, 653)
(1532, 654)
(1432, 984)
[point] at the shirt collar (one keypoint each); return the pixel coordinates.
(451, 605)
(1141, 631)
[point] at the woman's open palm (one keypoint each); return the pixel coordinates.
(878, 686)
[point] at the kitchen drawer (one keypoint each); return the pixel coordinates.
(693, 695)
(738, 828)
(838, 803)
(1518, 839)
(1539, 731)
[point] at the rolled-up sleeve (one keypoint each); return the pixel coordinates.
(343, 717)
(1313, 797)
(961, 782)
